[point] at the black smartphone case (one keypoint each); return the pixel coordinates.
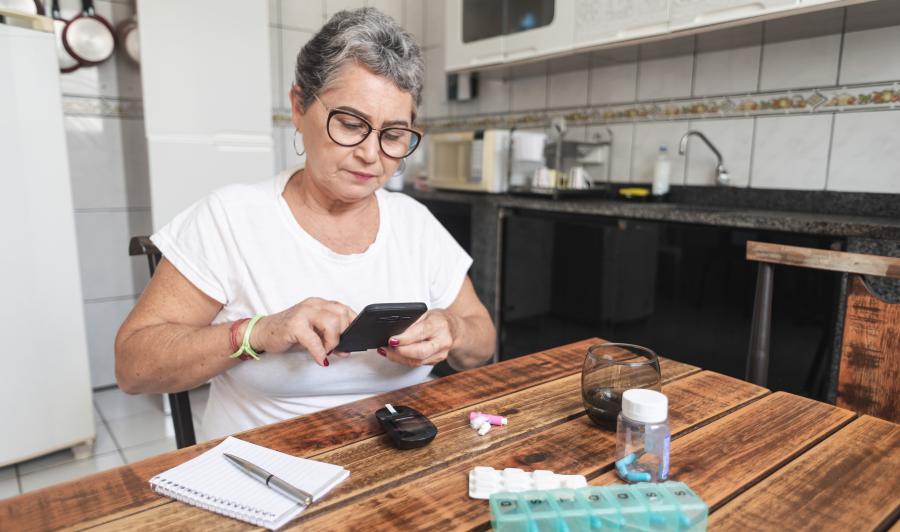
(374, 326)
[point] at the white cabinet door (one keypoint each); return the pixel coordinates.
(690, 13)
(464, 49)
(543, 40)
(601, 21)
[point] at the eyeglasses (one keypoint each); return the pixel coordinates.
(348, 129)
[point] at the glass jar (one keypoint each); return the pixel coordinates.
(642, 437)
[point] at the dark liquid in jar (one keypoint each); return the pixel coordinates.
(603, 406)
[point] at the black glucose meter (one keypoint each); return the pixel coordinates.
(407, 428)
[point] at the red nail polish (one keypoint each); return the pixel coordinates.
(382, 352)
(326, 363)
(393, 342)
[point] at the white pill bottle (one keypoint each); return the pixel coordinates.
(642, 437)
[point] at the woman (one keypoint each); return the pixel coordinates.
(307, 250)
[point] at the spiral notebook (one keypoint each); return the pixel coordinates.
(211, 482)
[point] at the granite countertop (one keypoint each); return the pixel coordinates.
(697, 212)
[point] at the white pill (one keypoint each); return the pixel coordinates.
(484, 428)
(478, 422)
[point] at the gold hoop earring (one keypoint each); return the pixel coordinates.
(298, 152)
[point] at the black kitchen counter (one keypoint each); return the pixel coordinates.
(690, 205)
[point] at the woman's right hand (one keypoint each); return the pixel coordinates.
(314, 324)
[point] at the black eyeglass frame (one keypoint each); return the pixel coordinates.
(333, 112)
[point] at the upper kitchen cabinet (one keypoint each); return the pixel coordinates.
(486, 33)
(490, 32)
(604, 21)
(692, 13)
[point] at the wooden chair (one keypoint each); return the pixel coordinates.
(180, 402)
(869, 371)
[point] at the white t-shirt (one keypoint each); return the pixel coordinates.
(243, 247)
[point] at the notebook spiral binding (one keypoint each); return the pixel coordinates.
(223, 506)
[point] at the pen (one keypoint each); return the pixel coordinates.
(270, 480)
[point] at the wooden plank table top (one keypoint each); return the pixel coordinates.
(760, 460)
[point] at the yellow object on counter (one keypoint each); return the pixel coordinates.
(634, 192)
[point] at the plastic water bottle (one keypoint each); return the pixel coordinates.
(642, 437)
(661, 172)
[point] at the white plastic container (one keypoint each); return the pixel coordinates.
(642, 437)
(662, 172)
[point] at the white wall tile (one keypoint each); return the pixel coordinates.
(494, 93)
(435, 18)
(871, 42)
(117, 77)
(392, 8)
(292, 41)
(647, 140)
(277, 148)
(529, 92)
(9, 484)
(303, 14)
(106, 268)
(103, 319)
(434, 94)
(802, 51)
(865, 152)
(665, 69)
(276, 68)
(733, 138)
(333, 6)
(569, 80)
(466, 108)
(621, 150)
(791, 152)
(614, 76)
(728, 61)
(107, 162)
(414, 19)
(275, 12)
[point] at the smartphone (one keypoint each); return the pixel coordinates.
(375, 325)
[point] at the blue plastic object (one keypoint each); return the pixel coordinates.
(670, 506)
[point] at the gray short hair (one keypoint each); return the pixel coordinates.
(364, 35)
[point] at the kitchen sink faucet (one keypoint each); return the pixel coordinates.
(722, 177)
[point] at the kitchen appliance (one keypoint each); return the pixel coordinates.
(476, 161)
(45, 382)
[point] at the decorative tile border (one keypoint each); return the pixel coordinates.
(103, 106)
(823, 100)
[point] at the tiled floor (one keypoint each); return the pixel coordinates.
(129, 428)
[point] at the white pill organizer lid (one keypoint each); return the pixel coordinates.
(485, 481)
(645, 406)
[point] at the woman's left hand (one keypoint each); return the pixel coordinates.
(426, 342)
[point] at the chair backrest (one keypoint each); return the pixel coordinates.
(180, 402)
(869, 368)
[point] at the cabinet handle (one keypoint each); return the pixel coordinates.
(730, 13)
(521, 52)
(641, 31)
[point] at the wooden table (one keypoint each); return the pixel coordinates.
(760, 460)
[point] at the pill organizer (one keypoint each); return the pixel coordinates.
(670, 506)
(485, 481)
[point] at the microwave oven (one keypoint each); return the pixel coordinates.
(472, 160)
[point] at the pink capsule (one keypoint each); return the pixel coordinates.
(493, 420)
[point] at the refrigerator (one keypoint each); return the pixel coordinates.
(44, 376)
